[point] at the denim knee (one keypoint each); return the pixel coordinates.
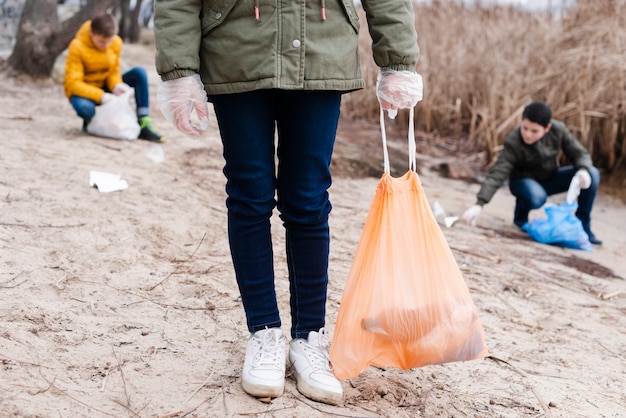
(529, 191)
(313, 213)
(84, 108)
(248, 200)
(538, 200)
(134, 76)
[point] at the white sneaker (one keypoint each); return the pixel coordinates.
(263, 373)
(312, 369)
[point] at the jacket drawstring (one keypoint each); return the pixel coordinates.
(323, 9)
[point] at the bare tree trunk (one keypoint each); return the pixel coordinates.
(41, 37)
(129, 22)
(136, 28)
(124, 19)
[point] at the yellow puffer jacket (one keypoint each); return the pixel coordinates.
(88, 71)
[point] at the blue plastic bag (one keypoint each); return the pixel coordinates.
(561, 228)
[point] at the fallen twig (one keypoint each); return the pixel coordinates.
(199, 387)
(119, 366)
(15, 285)
(475, 254)
(42, 225)
(171, 414)
(191, 411)
(609, 295)
(543, 404)
(51, 385)
(104, 381)
(605, 347)
(178, 267)
(17, 117)
(107, 146)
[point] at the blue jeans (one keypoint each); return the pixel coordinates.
(532, 194)
(306, 122)
(136, 78)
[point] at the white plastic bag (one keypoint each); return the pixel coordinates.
(115, 119)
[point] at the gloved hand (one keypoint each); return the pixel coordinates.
(584, 178)
(178, 98)
(398, 90)
(471, 215)
(107, 97)
(121, 88)
(574, 190)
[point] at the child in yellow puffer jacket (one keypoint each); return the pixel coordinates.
(93, 76)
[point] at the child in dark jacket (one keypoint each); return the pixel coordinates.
(529, 160)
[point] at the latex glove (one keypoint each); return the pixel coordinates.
(121, 88)
(178, 98)
(584, 178)
(398, 90)
(574, 190)
(107, 97)
(471, 215)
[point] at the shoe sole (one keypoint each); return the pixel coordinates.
(314, 393)
(262, 391)
(156, 141)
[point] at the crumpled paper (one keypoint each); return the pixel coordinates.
(156, 153)
(441, 217)
(106, 182)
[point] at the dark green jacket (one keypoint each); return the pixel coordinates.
(290, 46)
(538, 161)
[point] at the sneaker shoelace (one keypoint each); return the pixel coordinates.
(318, 353)
(268, 350)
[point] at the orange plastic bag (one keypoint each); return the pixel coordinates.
(405, 302)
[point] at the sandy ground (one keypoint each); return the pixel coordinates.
(124, 304)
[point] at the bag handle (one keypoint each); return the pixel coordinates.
(411, 139)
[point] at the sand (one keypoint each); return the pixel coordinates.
(124, 304)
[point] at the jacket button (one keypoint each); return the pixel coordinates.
(218, 15)
(296, 43)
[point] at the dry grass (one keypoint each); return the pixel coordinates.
(481, 66)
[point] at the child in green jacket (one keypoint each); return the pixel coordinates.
(529, 160)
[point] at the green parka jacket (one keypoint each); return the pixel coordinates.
(245, 45)
(538, 161)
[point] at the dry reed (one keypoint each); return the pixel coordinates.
(481, 66)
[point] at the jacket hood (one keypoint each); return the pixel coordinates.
(84, 34)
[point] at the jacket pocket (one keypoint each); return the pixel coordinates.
(214, 12)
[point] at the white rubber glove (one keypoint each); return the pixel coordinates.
(107, 97)
(471, 215)
(584, 178)
(574, 190)
(178, 98)
(121, 88)
(398, 90)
